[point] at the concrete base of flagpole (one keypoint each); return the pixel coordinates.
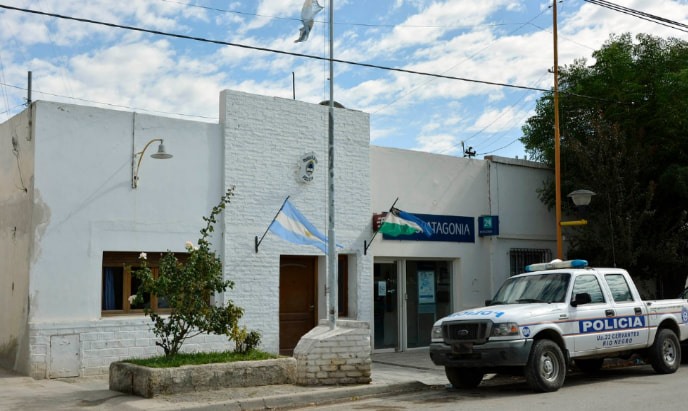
(339, 356)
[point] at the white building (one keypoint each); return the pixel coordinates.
(72, 224)
(465, 267)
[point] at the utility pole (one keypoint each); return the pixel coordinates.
(28, 89)
(557, 144)
(332, 285)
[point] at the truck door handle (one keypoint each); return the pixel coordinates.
(609, 313)
(638, 311)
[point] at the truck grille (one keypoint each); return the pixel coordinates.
(466, 331)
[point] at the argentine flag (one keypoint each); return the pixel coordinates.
(292, 226)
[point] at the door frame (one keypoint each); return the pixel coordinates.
(402, 297)
(400, 303)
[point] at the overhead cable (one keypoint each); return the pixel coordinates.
(244, 46)
(642, 15)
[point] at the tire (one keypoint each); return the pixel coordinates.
(546, 368)
(665, 352)
(464, 377)
(590, 366)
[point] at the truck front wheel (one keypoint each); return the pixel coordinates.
(464, 377)
(665, 353)
(546, 368)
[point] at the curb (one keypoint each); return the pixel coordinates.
(290, 401)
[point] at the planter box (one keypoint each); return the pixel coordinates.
(148, 382)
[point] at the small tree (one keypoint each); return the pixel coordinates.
(187, 288)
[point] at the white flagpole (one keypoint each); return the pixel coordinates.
(331, 241)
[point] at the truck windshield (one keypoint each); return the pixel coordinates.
(538, 288)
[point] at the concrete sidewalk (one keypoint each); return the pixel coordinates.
(391, 373)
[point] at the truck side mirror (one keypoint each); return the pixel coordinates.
(488, 302)
(580, 299)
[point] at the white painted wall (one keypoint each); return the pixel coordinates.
(525, 222)
(83, 182)
(16, 234)
(264, 139)
(80, 203)
(445, 185)
(84, 205)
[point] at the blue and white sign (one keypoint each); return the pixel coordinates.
(488, 225)
(609, 324)
(444, 228)
(525, 331)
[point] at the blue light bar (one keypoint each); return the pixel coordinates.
(555, 264)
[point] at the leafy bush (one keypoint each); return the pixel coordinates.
(188, 288)
(245, 341)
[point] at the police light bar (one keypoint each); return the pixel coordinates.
(554, 264)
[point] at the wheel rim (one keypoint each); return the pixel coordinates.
(669, 351)
(549, 366)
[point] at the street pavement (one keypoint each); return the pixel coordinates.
(392, 372)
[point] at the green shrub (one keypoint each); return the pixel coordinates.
(188, 288)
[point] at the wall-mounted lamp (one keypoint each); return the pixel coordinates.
(161, 154)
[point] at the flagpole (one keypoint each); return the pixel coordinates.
(331, 243)
(366, 245)
(257, 242)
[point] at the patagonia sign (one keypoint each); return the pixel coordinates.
(609, 324)
(444, 228)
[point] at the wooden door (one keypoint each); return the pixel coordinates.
(297, 300)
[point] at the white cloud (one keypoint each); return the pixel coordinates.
(439, 144)
(500, 41)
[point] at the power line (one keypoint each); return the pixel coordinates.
(104, 104)
(407, 93)
(288, 53)
(642, 15)
(341, 23)
(293, 54)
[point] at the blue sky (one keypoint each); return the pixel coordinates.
(500, 41)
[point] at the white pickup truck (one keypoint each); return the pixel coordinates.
(556, 314)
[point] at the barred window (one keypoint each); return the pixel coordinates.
(519, 258)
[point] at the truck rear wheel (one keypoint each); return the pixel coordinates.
(665, 353)
(464, 377)
(546, 368)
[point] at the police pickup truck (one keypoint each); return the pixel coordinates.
(555, 315)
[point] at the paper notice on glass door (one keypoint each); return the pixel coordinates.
(426, 287)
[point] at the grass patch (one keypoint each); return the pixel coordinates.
(200, 358)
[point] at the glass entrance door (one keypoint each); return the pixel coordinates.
(385, 300)
(428, 285)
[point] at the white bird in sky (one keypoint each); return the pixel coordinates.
(308, 11)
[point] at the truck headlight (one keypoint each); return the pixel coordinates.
(504, 329)
(436, 333)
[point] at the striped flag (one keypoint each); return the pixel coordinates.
(400, 222)
(292, 226)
